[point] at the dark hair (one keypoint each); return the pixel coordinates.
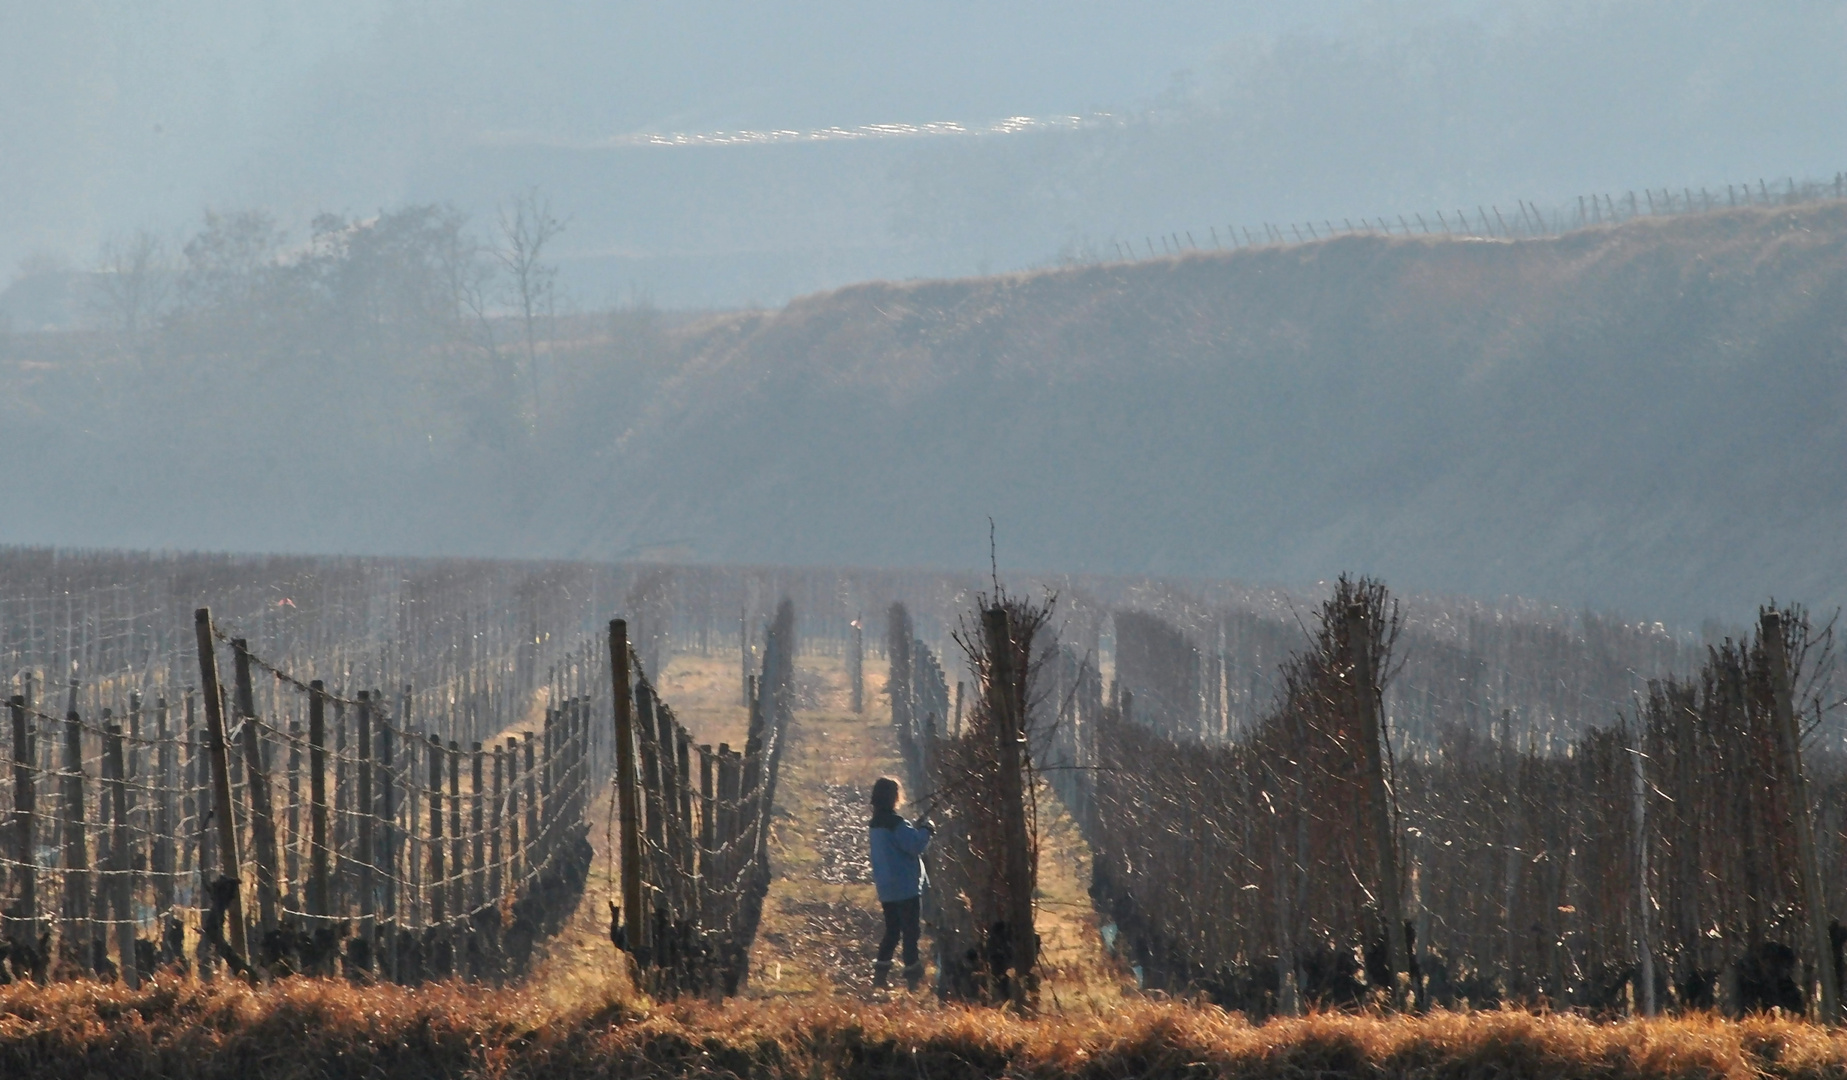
(885, 794)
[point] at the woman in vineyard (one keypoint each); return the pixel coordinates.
(898, 874)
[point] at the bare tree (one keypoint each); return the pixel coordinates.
(134, 282)
(525, 230)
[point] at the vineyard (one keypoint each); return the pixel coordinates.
(438, 773)
(1345, 845)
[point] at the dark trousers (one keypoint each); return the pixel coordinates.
(900, 920)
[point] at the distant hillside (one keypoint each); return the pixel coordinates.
(1652, 417)
(1648, 418)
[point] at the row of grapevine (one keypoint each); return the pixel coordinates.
(1685, 853)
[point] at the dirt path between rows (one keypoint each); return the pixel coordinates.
(821, 920)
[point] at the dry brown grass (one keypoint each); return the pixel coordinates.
(578, 1017)
(329, 1029)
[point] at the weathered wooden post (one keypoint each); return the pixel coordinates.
(410, 904)
(198, 801)
(533, 857)
(1389, 885)
(256, 774)
(134, 769)
(707, 833)
(477, 877)
(386, 814)
(320, 894)
(229, 858)
(339, 822)
(1643, 902)
(120, 884)
(683, 747)
(25, 804)
(730, 827)
(628, 803)
(744, 691)
(548, 787)
(436, 832)
(165, 854)
(898, 679)
(651, 803)
(495, 821)
(75, 932)
(1789, 735)
(515, 873)
(1006, 701)
(291, 863)
(363, 809)
(457, 899)
(856, 667)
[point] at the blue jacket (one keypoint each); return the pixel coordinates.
(897, 863)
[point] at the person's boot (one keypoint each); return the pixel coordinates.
(881, 974)
(913, 975)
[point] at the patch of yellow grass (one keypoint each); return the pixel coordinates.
(307, 1028)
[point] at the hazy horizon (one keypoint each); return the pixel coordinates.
(1192, 116)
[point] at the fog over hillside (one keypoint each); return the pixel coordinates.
(1645, 417)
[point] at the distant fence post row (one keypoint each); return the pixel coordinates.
(695, 845)
(354, 844)
(1526, 220)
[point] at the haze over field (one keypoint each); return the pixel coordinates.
(454, 278)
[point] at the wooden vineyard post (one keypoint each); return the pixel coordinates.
(410, 903)
(744, 691)
(567, 771)
(436, 832)
(133, 769)
(628, 803)
(669, 794)
(548, 790)
(683, 747)
(730, 813)
(477, 877)
(707, 824)
(1379, 806)
(494, 824)
(118, 883)
(513, 874)
(164, 857)
(1639, 794)
(856, 668)
(229, 858)
(339, 821)
(386, 814)
(1004, 700)
(1789, 734)
(532, 858)
(25, 804)
(262, 819)
(76, 853)
(292, 820)
(650, 795)
(457, 899)
(319, 897)
(363, 808)
(198, 801)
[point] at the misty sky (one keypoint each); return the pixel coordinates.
(124, 115)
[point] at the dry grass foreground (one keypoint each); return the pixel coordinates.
(809, 1016)
(328, 1029)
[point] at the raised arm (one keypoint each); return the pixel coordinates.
(911, 840)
